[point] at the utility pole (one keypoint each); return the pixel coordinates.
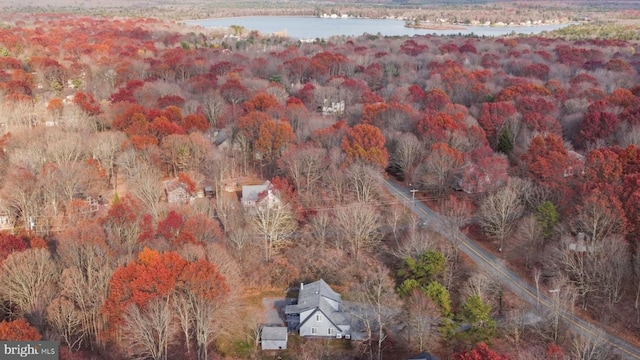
(413, 195)
(556, 311)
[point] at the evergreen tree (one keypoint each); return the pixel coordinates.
(505, 142)
(475, 314)
(548, 217)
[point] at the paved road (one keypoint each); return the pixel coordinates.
(514, 282)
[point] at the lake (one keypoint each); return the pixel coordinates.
(301, 27)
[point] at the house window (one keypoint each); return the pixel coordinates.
(319, 317)
(331, 331)
(314, 331)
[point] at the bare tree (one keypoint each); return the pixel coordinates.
(562, 295)
(515, 324)
(599, 217)
(253, 330)
(336, 183)
(28, 282)
(422, 316)
(488, 289)
(363, 182)
(105, 147)
(531, 235)
(436, 172)
(239, 237)
(63, 147)
(418, 241)
(63, 316)
(321, 227)
(406, 152)
(636, 273)
(205, 313)
(212, 105)
(149, 330)
(591, 347)
(275, 222)
(306, 165)
(64, 182)
(21, 114)
(610, 270)
(122, 235)
(499, 213)
(358, 224)
(186, 152)
(144, 181)
(230, 215)
(377, 294)
(22, 197)
(458, 213)
(595, 269)
(85, 281)
(397, 218)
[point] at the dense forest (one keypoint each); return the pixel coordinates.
(527, 144)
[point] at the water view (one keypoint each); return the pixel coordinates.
(314, 27)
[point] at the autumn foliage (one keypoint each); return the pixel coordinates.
(365, 143)
(480, 352)
(18, 330)
(156, 275)
(99, 112)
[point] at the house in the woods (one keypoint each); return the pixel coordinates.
(176, 192)
(477, 179)
(259, 196)
(273, 338)
(6, 221)
(223, 139)
(318, 312)
(268, 200)
(579, 243)
(332, 108)
(575, 164)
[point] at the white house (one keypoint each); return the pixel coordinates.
(251, 193)
(319, 312)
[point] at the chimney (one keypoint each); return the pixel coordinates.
(301, 286)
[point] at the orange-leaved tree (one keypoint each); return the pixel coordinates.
(273, 139)
(148, 296)
(18, 330)
(152, 275)
(365, 143)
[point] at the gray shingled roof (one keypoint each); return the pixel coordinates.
(251, 192)
(274, 333)
(314, 296)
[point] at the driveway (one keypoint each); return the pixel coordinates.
(274, 310)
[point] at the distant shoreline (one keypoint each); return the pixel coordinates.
(250, 16)
(435, 27)
(312, 27)
(444, 26)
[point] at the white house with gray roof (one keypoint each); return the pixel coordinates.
(319, 312)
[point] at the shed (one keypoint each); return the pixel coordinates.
(274, 338)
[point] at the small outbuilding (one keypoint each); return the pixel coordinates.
(274, 338)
